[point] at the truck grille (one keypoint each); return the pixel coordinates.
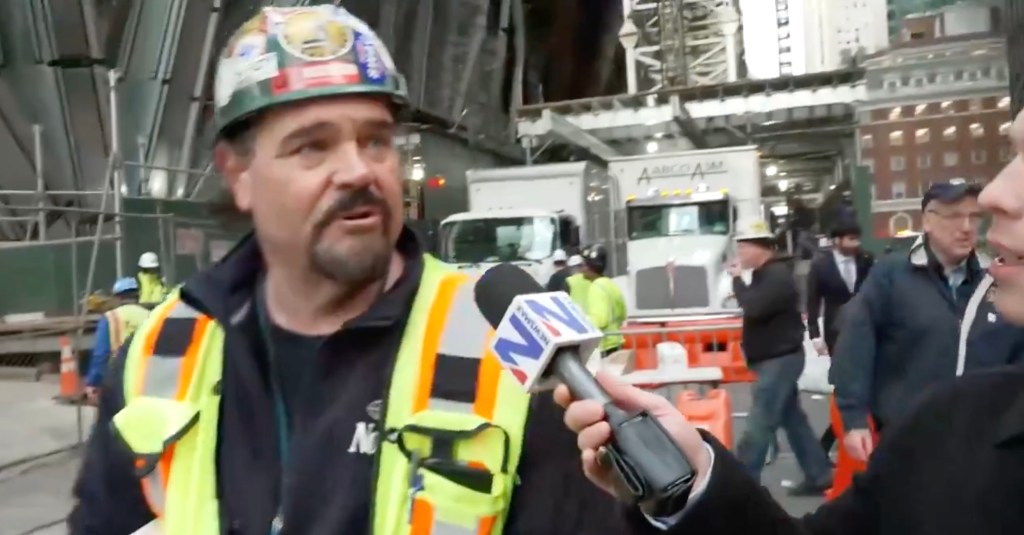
(691, 288)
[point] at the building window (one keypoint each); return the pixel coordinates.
(947, 107)
(979, 156)
(922, 135)
(975, 104)
(897, 163)
(1004, 103)
(924, 161)
(895, 113)
(1004, 129)
(867, 141)
(949, 134)
(977, 130)
(896, 138)
(899, 189)
(950, 158)
(921, 109)
(1005, 154)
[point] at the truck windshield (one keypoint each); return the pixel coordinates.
(678, 220)
(498, 239)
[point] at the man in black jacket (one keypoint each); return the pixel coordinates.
(955, 465)
(312, 310)
(773, 334)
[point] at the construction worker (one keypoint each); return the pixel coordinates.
(577, 286)
(112, 329)
(556, 283)
(604, 304)
(152, 288)
(325, 376)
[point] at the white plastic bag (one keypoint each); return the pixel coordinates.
(814, 379)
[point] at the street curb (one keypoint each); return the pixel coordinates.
(34, 458)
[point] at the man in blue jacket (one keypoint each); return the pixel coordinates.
(902, 333)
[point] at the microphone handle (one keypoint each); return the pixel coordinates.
(581, 383)
(650, 465)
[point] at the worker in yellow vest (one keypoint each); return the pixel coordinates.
(577, 284)
(112, 329)
(604, 304)
(152, 288)
(326, 376)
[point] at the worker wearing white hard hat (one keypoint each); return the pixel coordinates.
(152, 288)
(575, 261)
(557, 281)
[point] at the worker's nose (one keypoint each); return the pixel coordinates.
(350, 168)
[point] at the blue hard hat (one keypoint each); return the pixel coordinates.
(127, 284)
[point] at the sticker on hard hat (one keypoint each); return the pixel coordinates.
(314, 35)
(370, 62)
(315, 75)
(237, 73)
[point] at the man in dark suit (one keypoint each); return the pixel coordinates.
(834, 278)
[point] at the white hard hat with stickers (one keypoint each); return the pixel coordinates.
(754, 229)
(149, 260)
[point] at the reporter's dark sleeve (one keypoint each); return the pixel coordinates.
(108, 496)
(554, 497)
(732, 502)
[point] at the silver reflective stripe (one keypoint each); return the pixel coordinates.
(181, 310)
(444, 528)
(446, 405)
(970, 314)
(161, 379)
(465, 329)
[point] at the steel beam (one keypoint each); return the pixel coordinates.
(563, 128)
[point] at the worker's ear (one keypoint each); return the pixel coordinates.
(234, 166)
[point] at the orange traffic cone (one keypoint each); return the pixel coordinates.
(70, 382)
(846, 465)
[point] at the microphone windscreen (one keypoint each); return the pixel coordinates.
(497, 288)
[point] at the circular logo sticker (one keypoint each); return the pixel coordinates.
(312, 36)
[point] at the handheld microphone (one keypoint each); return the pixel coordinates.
(542, 338)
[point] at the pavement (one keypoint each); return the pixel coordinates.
(38, 456)
(35, 483)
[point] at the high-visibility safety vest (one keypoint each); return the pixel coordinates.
(604, 300)
(123, 321)
(152, 289)
(579, 286)
(454, 421)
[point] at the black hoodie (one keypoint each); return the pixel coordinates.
(772, 325)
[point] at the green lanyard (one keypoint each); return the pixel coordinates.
(280, 411)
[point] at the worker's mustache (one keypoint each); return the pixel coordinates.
(360, 198)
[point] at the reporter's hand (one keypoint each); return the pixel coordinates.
(859, 444)
(586, 419)
(820, 347)
(92, 395)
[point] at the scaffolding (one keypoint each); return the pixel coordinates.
(680, 43)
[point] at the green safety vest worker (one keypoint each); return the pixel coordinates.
(152, 289)
(606, 309)
(579, 287)
(171, 413)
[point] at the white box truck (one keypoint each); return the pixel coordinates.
(680, 212)
(523, 214)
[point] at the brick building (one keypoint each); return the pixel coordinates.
(937, 108)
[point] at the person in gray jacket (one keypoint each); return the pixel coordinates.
(902, 333)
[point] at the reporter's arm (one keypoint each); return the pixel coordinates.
(108, 496)
(554, 497)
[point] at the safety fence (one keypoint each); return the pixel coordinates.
(687, 361)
